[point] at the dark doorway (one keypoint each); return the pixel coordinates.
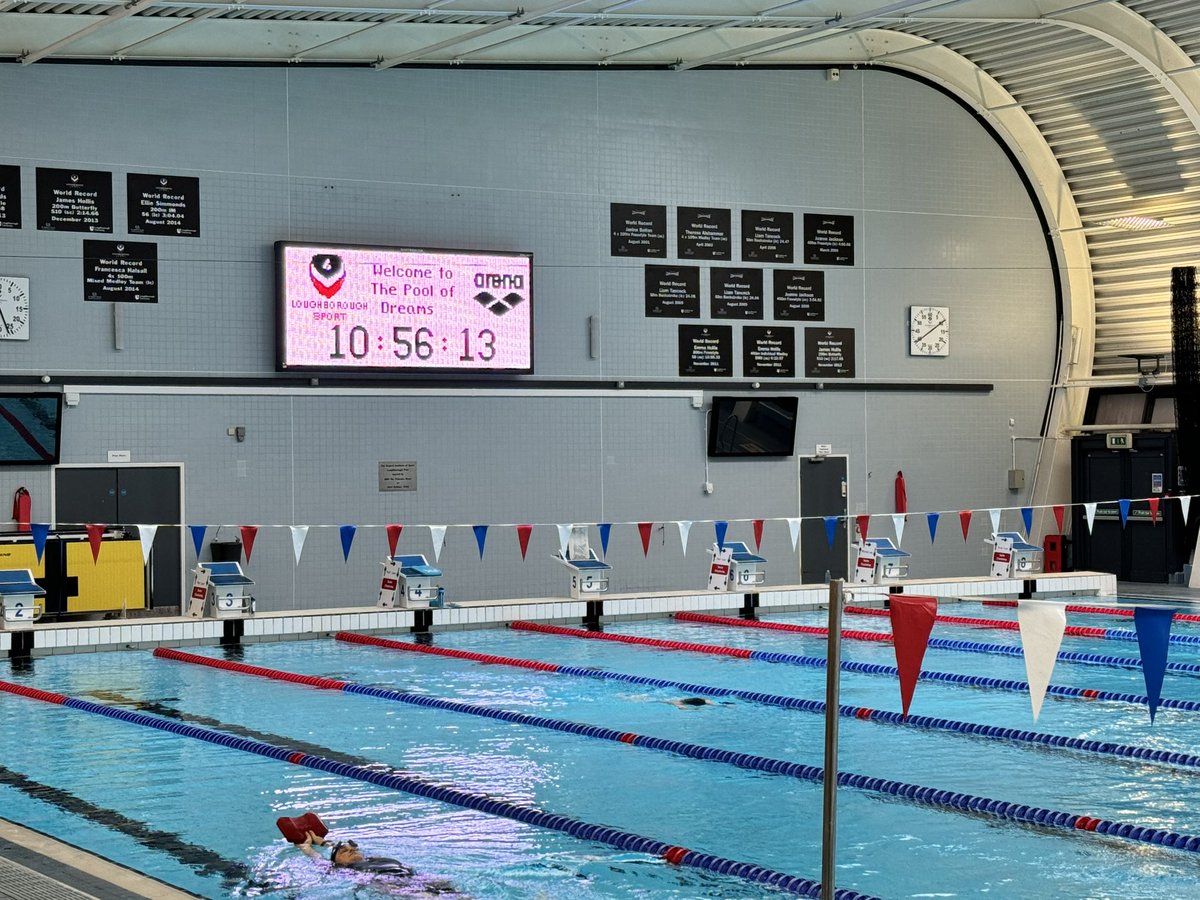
(822, 493)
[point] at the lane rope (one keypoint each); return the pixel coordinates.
(1095, 610)
(919, 794)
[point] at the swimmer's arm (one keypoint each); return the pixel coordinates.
(307, 846)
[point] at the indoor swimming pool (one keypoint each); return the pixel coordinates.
(385, 743)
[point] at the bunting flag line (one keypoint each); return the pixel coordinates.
(1027, 518)
(1153, 501)
(523, 533)
(1089, 512)
(1153, 627)
(646, 529)
(1184, 504)
(299, 533)
(720, 527)
(897, 523)
(605, 529)
(831, 528)
(757, 525)
(198, 537)
(1059, 509)
(995, 516)
(964, 519)
(933, 520)
(564, 535)
(912, 622)
(480, 537)
(393, 537)
(1124, 507)
(39, 531)
(249, 533)
(863, 523)
(684, 528)
(146, 535)
(1042, 625)
(347, 533)
(95, 535)
(437, 534)
(794, 530)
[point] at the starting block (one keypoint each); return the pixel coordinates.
(220, 590)
(18, 597)
(1013, 556)
(409, 581)
(588, 572)
(735, 568)
(878, 561)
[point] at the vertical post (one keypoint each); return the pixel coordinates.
(833, 670)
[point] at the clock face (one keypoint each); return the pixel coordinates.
(14, 308)
(929, 331)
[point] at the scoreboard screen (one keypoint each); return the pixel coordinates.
(380, 309)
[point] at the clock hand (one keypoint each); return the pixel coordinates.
(932, 330)
(7, 327)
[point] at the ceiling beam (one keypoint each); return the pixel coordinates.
(116, 15)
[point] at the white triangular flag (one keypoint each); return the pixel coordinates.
(438, 534)
(564, 535)
(299, 534)
(995, 514)
(684, 528)
(1042, 625)
(146, 536)
(1089, 510)
(794, 528)
(1184, 503)
(898, 524)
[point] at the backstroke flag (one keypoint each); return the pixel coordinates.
(912, 621)
(146, 535)
(1153, 626)
(299, 533)
(684, 528)
(437, 534)
(1042, 625)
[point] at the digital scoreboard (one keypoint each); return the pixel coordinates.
(382, 309)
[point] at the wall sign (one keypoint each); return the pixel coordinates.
(768, 352)
(767, 236)
(398, 476)
(829, 352)
(736, 293)
(703, 233)
(638, 230)
(10, 196)
(673, 291)
(163, 204)
(120, 271)
(706, 351)
(74, 200)
(799, 294)
(828, 240)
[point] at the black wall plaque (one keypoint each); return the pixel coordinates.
(74, 200)
(163, 204)
(829, 240)
(736, 293)
(10, 196)
(829, 352)
(767, 236)
(638, 230)
(799, 294)
(673, 291)
(768, 351)
(703, 233)
(120, 271)
(706, 351)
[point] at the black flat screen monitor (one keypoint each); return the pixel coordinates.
(752, 426)
(30, 425)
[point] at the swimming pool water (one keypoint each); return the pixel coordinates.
(202, 816)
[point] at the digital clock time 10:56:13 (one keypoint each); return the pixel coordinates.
(384, 309)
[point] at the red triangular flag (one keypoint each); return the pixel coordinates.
(645, 528)
(758, 527)
(95, 533)
(393, 535)
(1153, 501)
(1058, 517)
(863, 523)
(964, 516)
(523, 532)
(912, 621)
(249, 532)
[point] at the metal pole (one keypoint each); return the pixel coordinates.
(833, 671)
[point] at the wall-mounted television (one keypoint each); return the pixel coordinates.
(30, 427)
(386, 309)
(752, 426)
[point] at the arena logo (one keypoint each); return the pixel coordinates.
(327, 274)
(498, 306)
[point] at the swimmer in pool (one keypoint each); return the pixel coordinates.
(690, 702)
(346, 855)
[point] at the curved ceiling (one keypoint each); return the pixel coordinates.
(1112, 90)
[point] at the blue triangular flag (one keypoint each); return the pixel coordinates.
(198, 537)
(933, 517)
(605, 529)
(480, 537)
(1027, 516)
(39, 530)
(347, 532)
(721, 528)
(1124, 505)
(1153, 626)
(831, 528)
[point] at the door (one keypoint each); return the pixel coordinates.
(128, 495)
(822, 493)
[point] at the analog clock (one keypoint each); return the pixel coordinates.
(929, 331)
(14, 308)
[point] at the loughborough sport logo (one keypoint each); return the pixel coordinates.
(498, 306)
(327, 274)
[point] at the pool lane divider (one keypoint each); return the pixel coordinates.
(1091, 659)
(982, 807)
(817, 662)
(862, 713)
(614, 837)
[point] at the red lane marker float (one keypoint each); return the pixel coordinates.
(1098, 610)
(628, 737)
(879, 636)
(1086, 823)
(1089, 693)
(353, 638)
(295, 758)
(1074, 630)
(739, 652)
(863, 713)
(310, 680)
(675, 855)
(34, 693)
